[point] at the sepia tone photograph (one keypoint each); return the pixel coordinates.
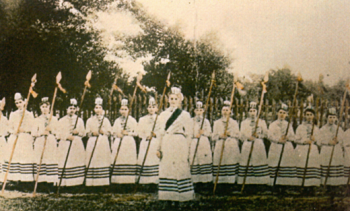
(174, 105)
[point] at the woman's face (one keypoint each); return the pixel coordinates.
(199, 111)
(124, 111)
(71, 110)
(252, 113)
(98, 109)
(282, 114)
(45, 108)
(225, 111)
(309, 116)
(152, 109)
(331, 119)
(19, 103)
(174, 100)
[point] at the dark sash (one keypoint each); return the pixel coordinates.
(172, 118)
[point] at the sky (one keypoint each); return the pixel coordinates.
(311, 37)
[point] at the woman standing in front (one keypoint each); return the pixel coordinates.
(175, 182)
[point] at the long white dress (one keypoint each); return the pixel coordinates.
(125, 168)
(231, 154)
(313, 170)
(22, 165)
(175, 182)
(98, 172)
(150, 170)
(4, 129)
(202, 167)
(75, 168)
(49, 166)
(287, 172)
(346, 145)
(336, 170)
(258, 171)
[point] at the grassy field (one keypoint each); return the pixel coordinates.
(19, 201)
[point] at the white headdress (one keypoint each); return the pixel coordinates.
(125, 102)
(18, 96)
(98, 101)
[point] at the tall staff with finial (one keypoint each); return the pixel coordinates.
(263, 84)
(291, 113)
(58, 86)
(138, 85)
(204, 114)
(225, 133)
(86, 85)
(149, 139)
(30, 92)
(336, 134)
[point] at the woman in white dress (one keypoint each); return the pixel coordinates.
(327, 141)
(74, 172)
(98, 172)
(258, 171)
(231, 155)
(22, 165)
(304, 138)
(46, 130)
(287, 172)
(149, 174)
(202, 167)
(124, 171)
(175, 182)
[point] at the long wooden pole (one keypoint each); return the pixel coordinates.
(204, 114)
(291, 113)
(223, 141)
(42, 152)
(254, 134)
(153, 128)
(17, 135)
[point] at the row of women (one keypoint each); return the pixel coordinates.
(172, 147)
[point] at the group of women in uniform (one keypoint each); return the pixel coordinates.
(110, 156)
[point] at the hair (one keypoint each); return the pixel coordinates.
(310, 110)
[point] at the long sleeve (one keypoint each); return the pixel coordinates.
(143, 126)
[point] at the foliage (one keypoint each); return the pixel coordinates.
(43, 37)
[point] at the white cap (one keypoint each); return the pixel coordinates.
(152, 101)
(73, 102)
(175, 90)
(283, 107)
(98, 101)
(226, 103)
(252, 105)
(18, 96)
(199, 105)
(332, 111)
(44, 99)
(125, 102)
